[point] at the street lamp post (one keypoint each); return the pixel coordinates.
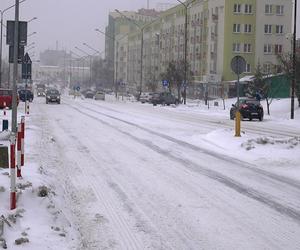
(186, 6)
(80, 58)
(90, 56)
(30, 48)
(142, 46)
(294, 63)
(116, 63)
(31, 34)
(97, 51)
(142, 43)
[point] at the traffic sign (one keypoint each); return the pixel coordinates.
(10, 33)
(11, 54)
(26, 67)
(165, 83)
(238, 65)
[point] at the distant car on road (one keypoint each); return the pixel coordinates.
(25, 95)
(52, 95)
(89, 94)
(145, 97)
(99, 96)
(164, 98)
(40, 92)
(249, 108)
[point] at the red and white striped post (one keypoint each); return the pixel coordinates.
(19, 149)
(27, 108)
(22, 140)
(13, 195)
(4, 109)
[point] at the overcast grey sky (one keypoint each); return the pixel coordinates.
(72, 22)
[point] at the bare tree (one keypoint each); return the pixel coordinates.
(152, 82)
(175, 76)
(286, 61)
(261, 87)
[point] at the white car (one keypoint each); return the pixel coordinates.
(99, 96)
(145, 97)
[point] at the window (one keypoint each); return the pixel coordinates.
(268, 9)
(248, 8)
(236, 8)
(268, 29)
(267, 48)
(279, 29)
(248, 68)
(236, 28)
(279, 9)
(278, 48)
(247, 28)
(267, 67)
(236, 47)
(247, 48)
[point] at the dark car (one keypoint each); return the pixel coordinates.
(52, 95)
(89, 94)
(249, 108)
(25, 95)
(164, 98)
(40, 92)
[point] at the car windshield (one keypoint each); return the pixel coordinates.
(52, 92)
(249, 101)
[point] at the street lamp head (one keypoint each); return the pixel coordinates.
(34, 18)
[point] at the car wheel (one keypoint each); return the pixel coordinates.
(260, 118)
(250, 118)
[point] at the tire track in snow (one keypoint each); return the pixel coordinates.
(212, 124)
(283, 179)
(129, 240)
(227, 181)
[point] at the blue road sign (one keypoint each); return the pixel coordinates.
(165, 83)
(78, 88)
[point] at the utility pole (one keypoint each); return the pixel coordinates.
(186, 6)
(15, 69)
(1, 33)
(294, 63)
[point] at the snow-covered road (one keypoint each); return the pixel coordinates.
(141, 177)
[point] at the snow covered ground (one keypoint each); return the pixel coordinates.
(125, 175)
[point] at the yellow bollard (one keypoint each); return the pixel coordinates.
(238, 124)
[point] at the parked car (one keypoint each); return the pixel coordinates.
(25, 95)
(164, 98)
(99, 96)
(52, 95)
(40, 92)
(145, 97)
(5, 98)
(249, 108)
(89, 94)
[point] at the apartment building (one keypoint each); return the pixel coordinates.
(116, 45)
(217, 31)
